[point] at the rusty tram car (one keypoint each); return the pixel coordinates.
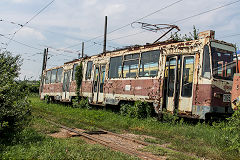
(192, 79)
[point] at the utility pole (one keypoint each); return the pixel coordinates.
(44, 65)
(46, 58)
(82, 49)
(105, 36)
(43, 68)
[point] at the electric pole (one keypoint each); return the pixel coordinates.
(105, 36)
(82, 49)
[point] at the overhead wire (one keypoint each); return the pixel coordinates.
(40, 11)
(198, 14)
(201, 13)
(163, 8)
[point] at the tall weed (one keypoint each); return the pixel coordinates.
(139, 110)
(233, 128)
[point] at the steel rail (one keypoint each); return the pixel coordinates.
(108, 144)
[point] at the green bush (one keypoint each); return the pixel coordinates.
(14, 106)
(78, 78)
(81, 103)
(170, 117)
(139, 110)
(233, 129)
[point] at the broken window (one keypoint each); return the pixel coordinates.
(149, 64)
(130, 65)
(74, 71)
(206, 62)
(48, 77)
(115, 68)
(187, 77)
(54, 75)
(89, 70)
(59, 74)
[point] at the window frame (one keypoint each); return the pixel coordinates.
(88, 73)
(110, 76)
(49, 80)
(52, 76)
(57, 78)
(141, 60)
(74, 71)
(182, 79)
(137, 59)
(203, 62)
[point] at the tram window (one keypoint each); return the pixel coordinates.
(206, 62)
(54, 75)
(149, 64)
(48, 77)
(96, 79)
(102, 78)
(171, 78)
(89, 69)
(130, 65)
(59, 74)
(187, 77)
(130, 68)
(115, 69)
(74, 71)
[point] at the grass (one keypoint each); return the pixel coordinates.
(171, 155)
(33, 143)
(201, 139)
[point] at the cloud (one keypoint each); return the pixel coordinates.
(19, 1)
(30, 33)
(112, 9)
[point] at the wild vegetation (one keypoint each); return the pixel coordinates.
(139, 110)
(14, 106)
(199, 139)
(30, 140)
(232, 129)
(186, 37)
(35, 143)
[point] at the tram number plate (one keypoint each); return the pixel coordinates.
(227, 98)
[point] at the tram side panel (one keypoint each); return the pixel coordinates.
(131, 90)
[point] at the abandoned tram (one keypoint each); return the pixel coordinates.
(192, 79)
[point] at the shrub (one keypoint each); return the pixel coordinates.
(81, 103)
(139, 110)
(169, 117)
(78, 78)
(233, 128)
(14, 106)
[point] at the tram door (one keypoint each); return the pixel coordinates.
(179, 74)
(187, 81)
(98, 83)
(66, 85)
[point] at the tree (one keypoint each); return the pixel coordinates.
(192, 36)
(14, 106)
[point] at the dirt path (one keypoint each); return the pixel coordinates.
(114, 141)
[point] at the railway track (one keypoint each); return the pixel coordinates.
(114, 141)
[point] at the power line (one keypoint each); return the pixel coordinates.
(222, 6)
(231, 35)
(178, 1)
(127, 36)
(20, 42)
(40, 11)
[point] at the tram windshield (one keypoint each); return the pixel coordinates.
(223, 63)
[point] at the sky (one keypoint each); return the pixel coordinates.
(65, 24)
